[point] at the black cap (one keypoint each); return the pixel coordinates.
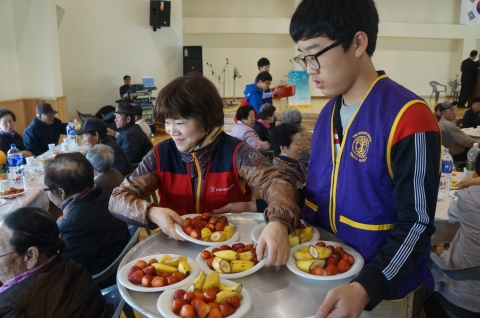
(45, 109)
(93, 124)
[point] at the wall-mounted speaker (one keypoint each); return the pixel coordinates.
(192, 59)
(159, 14)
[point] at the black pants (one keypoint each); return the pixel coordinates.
(464, 93)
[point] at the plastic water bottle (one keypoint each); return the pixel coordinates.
(447, 166)
(471, 157)
(72, 135)
(15, 167)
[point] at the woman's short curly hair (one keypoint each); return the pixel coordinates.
(4, 111)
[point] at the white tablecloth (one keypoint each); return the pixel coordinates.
(472, 132)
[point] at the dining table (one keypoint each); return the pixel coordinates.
(275, 291)
(472, 132)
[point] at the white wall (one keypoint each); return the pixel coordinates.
(101, 41)
(9, 70)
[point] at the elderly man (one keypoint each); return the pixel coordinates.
(130, 136)
(101, 157)
(452, 137)
(140, 121)
(94, 132)
(43, 130)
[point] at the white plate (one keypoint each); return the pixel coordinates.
(3, 201)
(180, 232)
(165, 301)
(35, 172)
(259, 228)
(204, 266)
(9, 196)
(122, 275)
(356, 267)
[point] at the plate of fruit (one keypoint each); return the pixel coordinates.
(208, 296)
(13, 192)
(208, 229)
(159, 272)
(304, 233)
(324, 260)
(237, 260)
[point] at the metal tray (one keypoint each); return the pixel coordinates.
(275, 291)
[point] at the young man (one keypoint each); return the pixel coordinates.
(377, 190)
(469, 68)
(124, 88)
(263, 65)
(254, 92)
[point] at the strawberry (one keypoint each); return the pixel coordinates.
(331, 270)
(343, 266)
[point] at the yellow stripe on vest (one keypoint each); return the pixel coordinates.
(368, 227)
(311, 205)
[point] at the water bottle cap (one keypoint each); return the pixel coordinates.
(13, 146)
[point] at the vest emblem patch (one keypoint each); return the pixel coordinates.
(360, 146)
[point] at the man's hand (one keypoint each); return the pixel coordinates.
(465, 183)
(344, 301)
(165, 219)
(277, 91)
(110, 132)
(275, 236)
(237, 207)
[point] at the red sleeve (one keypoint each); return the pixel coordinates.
(417, 118)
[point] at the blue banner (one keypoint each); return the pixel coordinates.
(302, 93)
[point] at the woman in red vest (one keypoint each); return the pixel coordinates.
(201, 168)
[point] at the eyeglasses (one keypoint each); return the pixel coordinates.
(47, 188)
(296, 143)
(312, 60)
(6, 254)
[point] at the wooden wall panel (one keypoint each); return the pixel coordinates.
(24, 110)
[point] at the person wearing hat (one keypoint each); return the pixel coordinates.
(130, 136)
(94, 132)
(453, 137)
(44, 129)
(140, 121)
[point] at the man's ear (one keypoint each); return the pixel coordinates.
(360, 42)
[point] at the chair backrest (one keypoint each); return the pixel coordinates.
(84, 117)
(114, 265)
(468, 273)
(112, 296)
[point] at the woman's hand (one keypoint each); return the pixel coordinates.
(166, 218)
(237, 207)
(465, 183)
(26, 153)
(275, 236)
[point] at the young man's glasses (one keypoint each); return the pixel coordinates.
(312, 60)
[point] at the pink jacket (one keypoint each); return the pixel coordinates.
(247, 134)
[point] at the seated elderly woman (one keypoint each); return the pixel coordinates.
(294, 116)
(201, 168)
(95, 238)
(243, 128)
(266, 121)
(287, 149)
(94, 132)
(471, 118)
(39, 279)
(102, 157)
(8, 135)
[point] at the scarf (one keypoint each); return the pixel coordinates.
(261, 121)
(295, 170)
(12, 134)
(210, 137)
(71, 202)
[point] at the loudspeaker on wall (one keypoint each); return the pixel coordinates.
(159, 14)
(192, 59)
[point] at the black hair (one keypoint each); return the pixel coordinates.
(191, 96)
(263, 76)
(4, 111)
(474, 100)
(477, 166)
(267, 110)
(263, 62)
(282, 135)
(438, 107)
(336, 20)
(34, 227)
(70, 171)
(474, 53)
(126, 76)
(242, 112)
(101, 134)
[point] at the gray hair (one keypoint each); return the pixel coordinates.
(267, 110)
(101, 157)
(292, 116)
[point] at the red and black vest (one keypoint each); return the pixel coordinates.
(219, 185)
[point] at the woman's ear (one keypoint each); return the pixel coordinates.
(31, 257)
(61, 193)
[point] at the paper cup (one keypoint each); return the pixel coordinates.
(51, 147)
(29, 161)
(64, 147)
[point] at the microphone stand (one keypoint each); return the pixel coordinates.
(217, 77)
(223, 72)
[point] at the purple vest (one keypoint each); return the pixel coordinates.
(357, 202)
